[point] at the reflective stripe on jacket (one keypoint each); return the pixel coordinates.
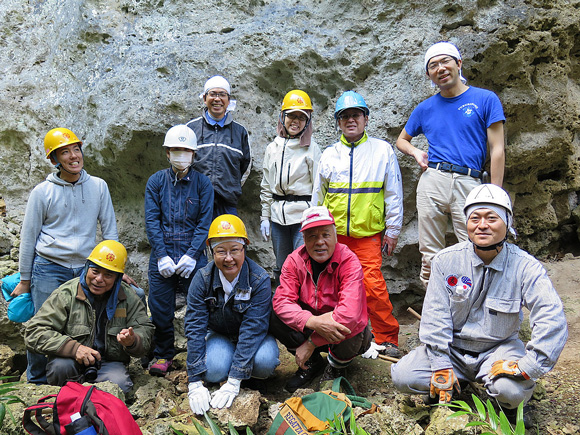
(360, 183)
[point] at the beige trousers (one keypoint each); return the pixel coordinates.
(440, 197)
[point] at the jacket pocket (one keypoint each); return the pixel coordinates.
(502, 317)
(241, 306)
(192, 207)
(78, 332)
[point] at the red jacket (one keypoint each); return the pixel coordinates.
(340, 288)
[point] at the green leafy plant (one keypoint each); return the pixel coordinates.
(215, 430)
(486, 417)
(7, 399)
(338, 427)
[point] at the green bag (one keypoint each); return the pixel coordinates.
(310, 414)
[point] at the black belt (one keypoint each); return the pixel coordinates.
(467, 352)
(449, 167)
(291, 197)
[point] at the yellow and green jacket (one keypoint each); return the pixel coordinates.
(360, 183)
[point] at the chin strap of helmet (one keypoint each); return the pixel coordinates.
(283, 121)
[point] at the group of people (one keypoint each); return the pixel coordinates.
(330, 215)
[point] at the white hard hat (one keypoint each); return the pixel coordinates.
(181, 136)
(487, 195)
(217, 82)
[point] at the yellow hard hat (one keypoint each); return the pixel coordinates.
(110, 255)
(227, 225)
(296, 100)
(58, 138)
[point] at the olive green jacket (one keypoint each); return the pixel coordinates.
(67, 320)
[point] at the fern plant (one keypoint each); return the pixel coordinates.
(215, 430)
(486, 417)
(338, 427)
(7, 399)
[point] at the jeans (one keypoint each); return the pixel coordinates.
(220, 207)
(46, 277)
(220, 354)
(162, 305)
(285, 239)
(59, 370)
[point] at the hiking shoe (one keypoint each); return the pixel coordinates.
(391, 350)
(512, 414)
(303, 377)
(160, 367)
(328, 377)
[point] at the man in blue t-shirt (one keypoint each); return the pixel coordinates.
(459, 123)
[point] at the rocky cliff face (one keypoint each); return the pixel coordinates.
(119, 73)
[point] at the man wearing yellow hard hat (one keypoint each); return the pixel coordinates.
(92, 325)
(60, 227)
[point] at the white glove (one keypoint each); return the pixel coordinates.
(185, 266)
(166, 266)
(265, 228)
(373, 351)
(198, 397)
(224, 397)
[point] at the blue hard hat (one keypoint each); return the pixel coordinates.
(350, 100)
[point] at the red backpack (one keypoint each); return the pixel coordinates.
(105, 412)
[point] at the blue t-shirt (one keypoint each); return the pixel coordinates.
(456, 128)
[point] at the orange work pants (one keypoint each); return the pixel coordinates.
(368, 250)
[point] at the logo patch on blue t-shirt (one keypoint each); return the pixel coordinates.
(468, 109)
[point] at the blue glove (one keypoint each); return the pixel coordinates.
(185, 266)
(166, 266)
(224, 397)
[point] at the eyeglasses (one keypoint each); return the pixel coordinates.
(297, 116)
(218, 94)
(347, 116)
(443, 62)
(222, 253)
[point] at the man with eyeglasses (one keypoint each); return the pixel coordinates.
(223, 150)
(459, 122)
(359, 181)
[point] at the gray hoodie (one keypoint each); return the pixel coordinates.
(61, 218)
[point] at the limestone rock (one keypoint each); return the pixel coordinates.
(244, 410)
(441, 425)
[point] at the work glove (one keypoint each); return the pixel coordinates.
(224, 397)
(185, 266)
(166, 266)
(198, 397)
(443, 382)
(265, 229)
(503, 367)
(373, 351)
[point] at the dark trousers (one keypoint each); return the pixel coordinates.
(343, 352)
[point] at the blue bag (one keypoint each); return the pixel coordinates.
(20, 308)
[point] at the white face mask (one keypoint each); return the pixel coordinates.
(180, 159)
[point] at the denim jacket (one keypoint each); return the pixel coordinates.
(243, 318)
(177, 216)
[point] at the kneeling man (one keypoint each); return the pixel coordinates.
(473, 311)
(320, 304)
(90, 326)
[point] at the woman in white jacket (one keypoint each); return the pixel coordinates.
(290, 164)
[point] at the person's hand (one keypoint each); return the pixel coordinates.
(421, 158)
(126, 278)
(86, 356)
(265, 229)
(328, 328)
(166, 266)
(126, 337)
(303, 354)
(21, 288)
(443, 383)
(224, 397)
(373, 351)
(503, 367)
(389, 245)
(198, 397)
(185, 266)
